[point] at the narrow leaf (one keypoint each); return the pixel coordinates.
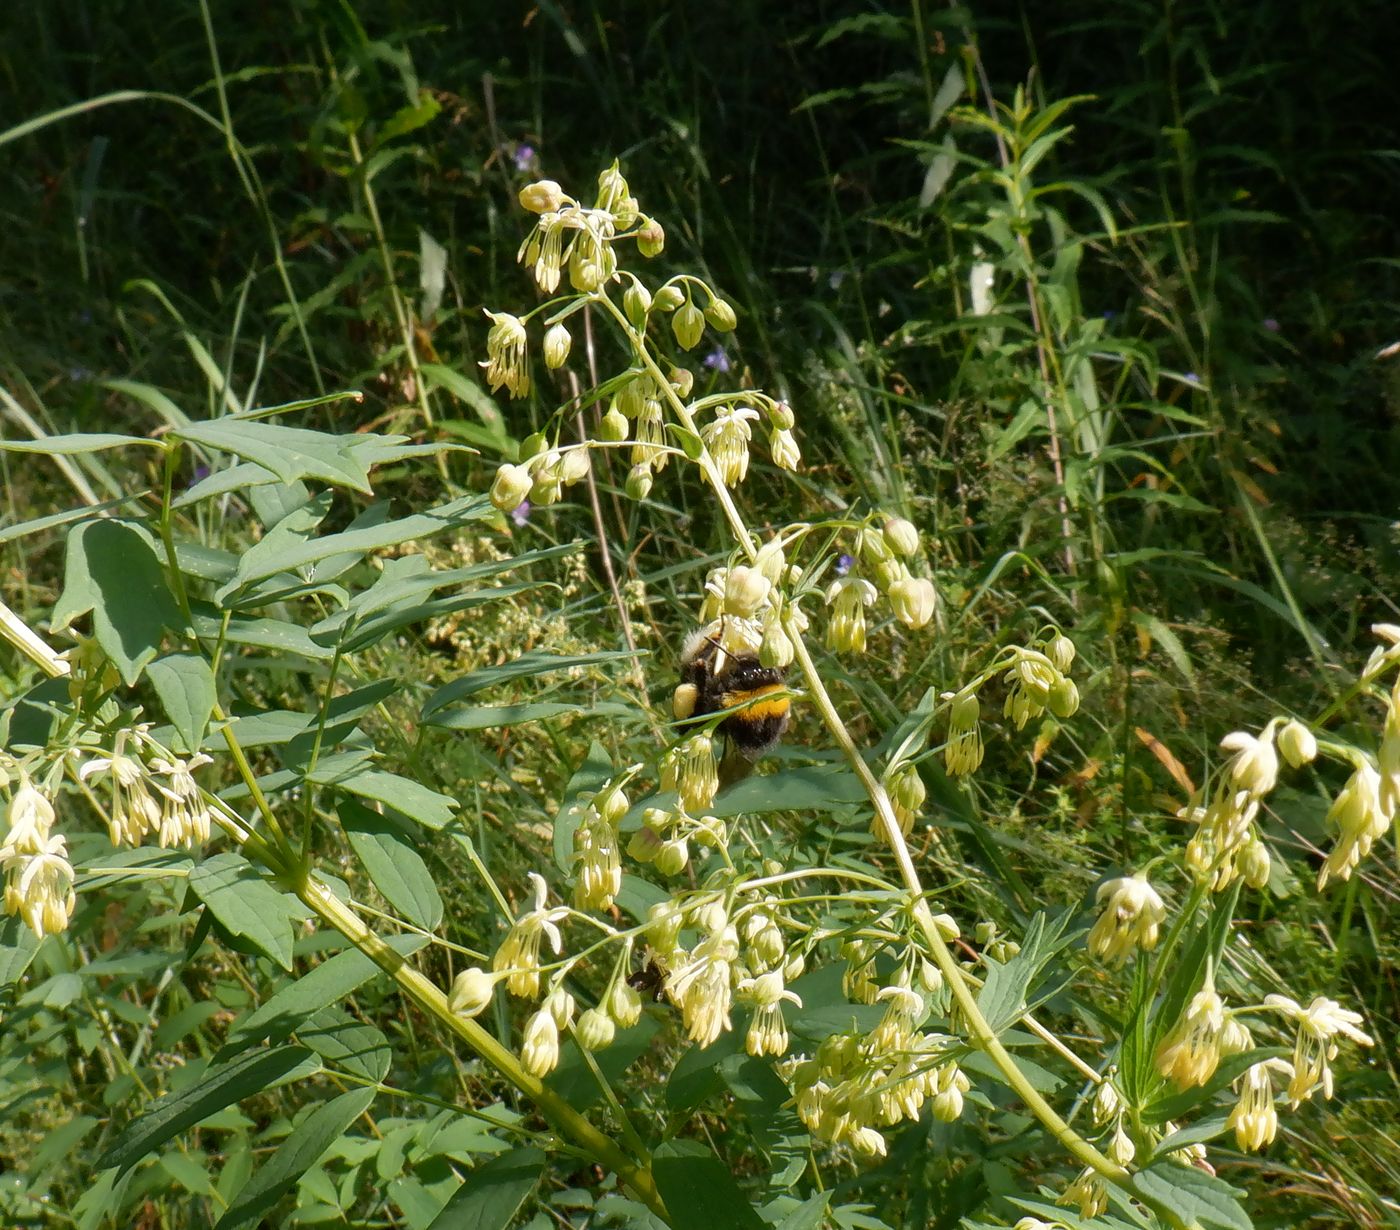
(221, 1086)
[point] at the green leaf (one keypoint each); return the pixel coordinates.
(526, 666)
(112, 570)
(699, 1189)
(467, 390)
(394, 867)
(351, 1045)
(409, 118)
(334, 979)
(293, 1158)
(493, 1192)
(1195, 1196)
(244, 903)
(402, 794)
(289, 452)
(238, 477)
(286, 556)
(185, 685)
(809, 1215)
(37, 524)
(190, 1173)
(18, 946)
(221, 1086)
(80, 442)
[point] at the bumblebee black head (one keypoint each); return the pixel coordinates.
(715, 679)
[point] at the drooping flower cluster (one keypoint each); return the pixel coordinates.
(1132, 914)
(152, 791)
(34, 859)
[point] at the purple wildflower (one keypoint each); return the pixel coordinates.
(1271, 325)
(843, 564)
(524, 157)
(520, 514)
(717, 360)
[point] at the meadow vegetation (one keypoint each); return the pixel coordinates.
(1007, 398)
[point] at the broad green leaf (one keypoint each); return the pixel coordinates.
(334, 979)
(112, 570)
(80, 442)
(220, 1086)
(699, 1189)
(526, 666)
(289, 452)
(351, 1045)
(18, 946)
(294, 1156)
(403, 794)
(809, 1215)
(810, 788)
(57, 1143)
(493, 1192)
(244, 903)
(393, 866)
(1197, 1197)
(276, 635)
(185, 685)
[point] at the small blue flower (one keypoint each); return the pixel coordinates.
(520, 514)
(843, 564)
(717, 360)
(524, 157)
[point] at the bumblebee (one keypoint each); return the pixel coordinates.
(715, 679)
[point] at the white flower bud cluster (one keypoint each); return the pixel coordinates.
(856, 1087)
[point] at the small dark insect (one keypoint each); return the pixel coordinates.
(649, 981)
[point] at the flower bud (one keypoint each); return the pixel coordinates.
(664, 920)
(901, 536)
(673, 856)
(914, 600)
(782, 447)
(595, 1030)
(636, 302)
(682, 380)
(781, 416)
(542, 197)
(512, 484)
(613, 426)
(720, 315)
(1063, 700)
(539, 1052)
(533, 445)
(688, 324)
(624, 1005)
(644, 845)
(1255, 864)
(1107, 1104)
(471, 992)
(668, 299)
(776, 649)
(745, 591)
(1060, 651)
(651, 239)
(639, 482)
(556, 345)
(1297, 744)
